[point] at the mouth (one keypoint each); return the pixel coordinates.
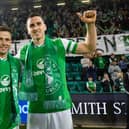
(4, 48)
(37, 35)
(37, 32)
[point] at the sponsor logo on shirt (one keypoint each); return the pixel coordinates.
(6, 89)
(39, 65)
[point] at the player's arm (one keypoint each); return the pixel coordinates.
(89, 44)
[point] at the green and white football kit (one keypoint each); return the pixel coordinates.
(44, 83)
(9, 113)
(91, 85)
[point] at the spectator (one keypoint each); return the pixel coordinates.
(113, 70)
(123, 63)
(112, 58)
(91, 85)
(91, 71)
(119, 83)
(84, 62)
(100, 63)
(107, 83)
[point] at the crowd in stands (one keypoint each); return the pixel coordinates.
(99, 74)
(62, 21)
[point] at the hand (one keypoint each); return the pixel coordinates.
(88, 16)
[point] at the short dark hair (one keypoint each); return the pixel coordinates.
(5, 28)
(33, 14)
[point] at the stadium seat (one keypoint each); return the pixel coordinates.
(81, 87)
(72, 87)
(76, 67)
(69, 77)
(68, 67)
(98, 87)
(76, 76)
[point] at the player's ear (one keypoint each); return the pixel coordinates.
(45, 27)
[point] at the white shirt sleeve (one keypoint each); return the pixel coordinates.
(69, 45)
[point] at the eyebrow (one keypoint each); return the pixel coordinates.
(38, 23)
(5, 38)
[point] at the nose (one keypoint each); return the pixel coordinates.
(3, 41)
(35, 27)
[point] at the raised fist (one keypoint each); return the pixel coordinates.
(88, 16)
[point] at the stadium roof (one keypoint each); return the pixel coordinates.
(17, 2)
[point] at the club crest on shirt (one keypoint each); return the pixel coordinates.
(48, 68)
(52, 76)
(5, 80)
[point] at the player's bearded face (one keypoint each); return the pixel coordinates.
(5, 42)
(36, 27)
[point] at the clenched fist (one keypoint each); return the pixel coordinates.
(88, 16)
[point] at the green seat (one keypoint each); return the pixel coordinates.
(69, 77)
(76, 67)
(98, 87)
(68, 67)
(72, 87)
(81, 87)
(76, 76)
